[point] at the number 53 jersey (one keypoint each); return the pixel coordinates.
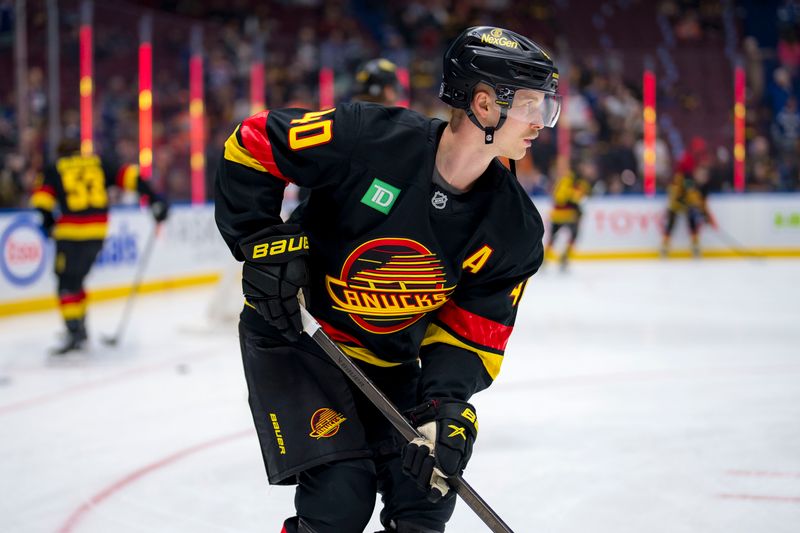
(77, 188)
(403, 267)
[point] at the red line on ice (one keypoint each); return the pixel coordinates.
(78, 514)
(756, 497)
(761, 473)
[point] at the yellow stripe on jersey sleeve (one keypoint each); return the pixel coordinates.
(130, 177)
(73, 311)
(362, 354)
(239, 154)
(43, 200)
(80, 232)
(491, 361)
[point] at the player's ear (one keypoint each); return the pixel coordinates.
(482, 102)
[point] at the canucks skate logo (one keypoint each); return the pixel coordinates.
(388, 284)
(325, 423)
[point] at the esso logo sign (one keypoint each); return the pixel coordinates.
(22, 252)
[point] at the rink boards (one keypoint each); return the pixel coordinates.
(188, 249)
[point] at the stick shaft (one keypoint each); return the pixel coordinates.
(387, 408)
(144, 259)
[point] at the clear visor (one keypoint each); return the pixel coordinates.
(543, 109)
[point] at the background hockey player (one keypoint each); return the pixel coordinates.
(413, 254)
(688, 195)
(72, 197)
(377, 82)
(569, 193)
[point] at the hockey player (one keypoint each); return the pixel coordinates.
(377, 82)
(72, 197)
(688, 195)
(569, 193)
(413, 254)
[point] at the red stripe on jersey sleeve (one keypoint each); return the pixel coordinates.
(47, 189)
(256, 141)
(73, 298)
(338, 335)
(83, 219)
(474, 328)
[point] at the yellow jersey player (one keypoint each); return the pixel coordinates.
(687, 196)
(72, 197)
(569, 193)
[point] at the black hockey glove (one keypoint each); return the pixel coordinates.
(449, 428)
(159, 208)
(48, 221)
(275, 269)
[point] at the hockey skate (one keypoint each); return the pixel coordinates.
(73, 341)
(563, 262)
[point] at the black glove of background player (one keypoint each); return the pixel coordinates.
(48, 221)
(449, 428)
(159, 207)
(275, 269)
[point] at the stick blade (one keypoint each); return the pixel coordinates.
(110, 341)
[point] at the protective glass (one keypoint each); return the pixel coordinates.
(545, 111)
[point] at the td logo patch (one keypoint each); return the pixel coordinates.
(380, 196)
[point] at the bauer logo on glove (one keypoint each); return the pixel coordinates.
(274, 273)
(284, 246)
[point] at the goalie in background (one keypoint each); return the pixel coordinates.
(569, 193)
(72, 198)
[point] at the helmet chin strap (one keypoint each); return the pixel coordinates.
(488, 131)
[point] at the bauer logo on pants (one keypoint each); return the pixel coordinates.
(325, 423)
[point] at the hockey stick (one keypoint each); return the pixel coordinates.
(137, 282)
(387, 408)
(735, 245)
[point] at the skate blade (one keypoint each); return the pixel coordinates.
(69, 355)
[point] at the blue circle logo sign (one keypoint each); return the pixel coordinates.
(23, 254)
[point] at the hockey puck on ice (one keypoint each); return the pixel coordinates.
(182, 368)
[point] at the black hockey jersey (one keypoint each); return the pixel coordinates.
(401, 268)
(76, 187)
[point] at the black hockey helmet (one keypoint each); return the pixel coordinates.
(373, 76)
(504, 60)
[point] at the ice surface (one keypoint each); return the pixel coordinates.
(635, 397)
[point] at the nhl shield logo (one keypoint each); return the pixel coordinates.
(439, 200)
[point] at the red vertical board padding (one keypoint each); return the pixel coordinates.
(649, 93)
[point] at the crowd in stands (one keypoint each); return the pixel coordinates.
(771, 58)
(294, 38)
